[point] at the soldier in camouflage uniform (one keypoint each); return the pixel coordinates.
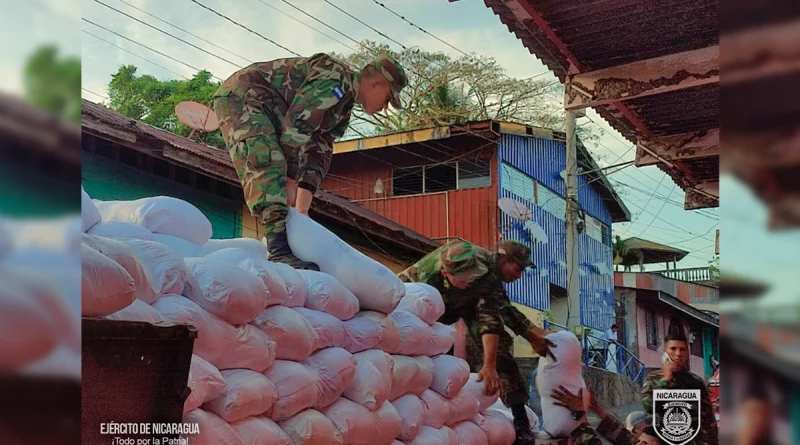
(470, 280)
(279, 120)
(675, 374)
(612, 429)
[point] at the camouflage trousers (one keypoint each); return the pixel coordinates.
(514, 389)
(249, 130)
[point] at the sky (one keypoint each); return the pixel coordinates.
(655, 202)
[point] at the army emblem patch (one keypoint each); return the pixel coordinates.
(338, 92)
(676, 415)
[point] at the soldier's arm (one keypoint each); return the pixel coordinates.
(514, 318)
(708, 422)
(584, 434)
(613, 430)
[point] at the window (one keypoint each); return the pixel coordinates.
(517, 182)
(696, 347)
(550, 201)
(606, 235)
(652, 328)
(474, 174)
(407, 181)
(441, 177)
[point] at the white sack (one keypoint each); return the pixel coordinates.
(335, 368)
(226, 291)
(106, 287)
(205, 383)
(221, 344)
(161, 214)
(361, 334)
(260, 431)
(329, 329)
(497, 428)
(566, 372)
(382, 361)
(184, 247)
(213, 430)
(389, 423)
(295, 285)
(121, 230)
(311, 427)
(470, 434)
(90, 216)
(390, 335)
(368, 387)
(410, 375)
(258, 266)
(61, 363)
(442, 339)
(430, 436)
(436, 409)
(450, 374)
(532, 418)
(376, 287)
(422, 300)
(246, 393)
(476, 389)
(410, 409)
(328, 295)
(415, 334)
(464, 406)
(295, 337)
(251, 245)
(125, 257)
(295, 388)
(163, 265)
(356, 424)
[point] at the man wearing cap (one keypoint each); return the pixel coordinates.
(470, 279)
(279, 120)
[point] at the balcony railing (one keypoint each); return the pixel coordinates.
(693, 275)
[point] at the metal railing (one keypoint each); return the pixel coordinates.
(603, 354)
(693, 274)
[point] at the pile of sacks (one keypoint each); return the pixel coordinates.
(349, 355)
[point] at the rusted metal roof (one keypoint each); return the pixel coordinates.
(102, 122)
(578, 37)
(38, 131)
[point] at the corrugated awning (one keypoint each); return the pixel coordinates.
(689, 310)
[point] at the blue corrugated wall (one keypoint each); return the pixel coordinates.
(543, 160)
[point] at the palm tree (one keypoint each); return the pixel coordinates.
(620, 249)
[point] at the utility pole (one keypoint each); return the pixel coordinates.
(573, 273)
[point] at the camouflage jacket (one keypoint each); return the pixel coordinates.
(484, 303)
(709, 434)
(610, 428)
(311, 99)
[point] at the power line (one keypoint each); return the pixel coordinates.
(245, 27)
(366, 24)
(92, 92)
(326, 25)
(663, 204)
(306, 24)
(134, 54)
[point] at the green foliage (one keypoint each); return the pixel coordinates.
(54, 84)
(153, 101)
(713, 268)
(621, 250)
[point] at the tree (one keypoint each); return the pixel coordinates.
(54, 84)
(713, 269)
(153, 101)
(622, 251)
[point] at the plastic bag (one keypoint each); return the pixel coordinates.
(295, 285)
(205, 383)
(390, 335)
(389, 423)
(464, 406)
(368, 387)
(361, 334)
(163, 265)
(470, 434)
(260, 431)
(121, 230)
(220, 343)
(329, 329)
(184, 247)
(377, 288)
(442, 339)
(532, 418)
(311, 427)
(106, 287)
(382, 361)
(497, 428)
(410, 375)
(90, 216)
(252, 246)
(294, 335)
(213, 430)
(258, 266)
(415, 335)
(356, 424)
(476, 389)
(246, 393)
(424, 301)
(436, 409)
(566, 372)
(295, 386)
(62, 363)
(327, 295)
(125, 257)
(450, 374)
(161, 214)
(431, 436)
(410, 409)
(27, 328)
(226, 291)
(336, 369)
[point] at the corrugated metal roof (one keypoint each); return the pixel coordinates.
(327, 204)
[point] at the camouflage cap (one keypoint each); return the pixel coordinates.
(460, 258)
(393, 72)
(516, 252)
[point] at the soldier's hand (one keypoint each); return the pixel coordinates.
(542, 346)
(291, 192)
(562, 397)
(490, 379)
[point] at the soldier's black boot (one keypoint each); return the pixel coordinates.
(280, 252)
(522, 426)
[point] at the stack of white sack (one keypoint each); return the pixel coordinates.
(566, 371)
